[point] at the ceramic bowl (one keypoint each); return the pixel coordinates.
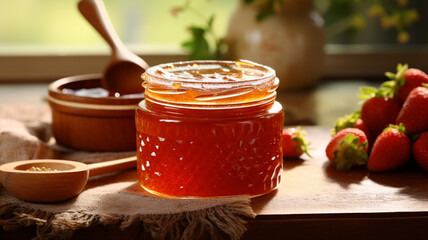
(91, 123)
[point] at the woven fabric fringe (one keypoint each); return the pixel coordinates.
(219, 222)
(31, 131)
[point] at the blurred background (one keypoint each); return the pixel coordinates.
(358, 33)
(40, 23)
(345, 43)
(58, 24)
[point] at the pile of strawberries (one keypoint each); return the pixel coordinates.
(389, 130)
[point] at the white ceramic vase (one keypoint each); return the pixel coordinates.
(291, 42)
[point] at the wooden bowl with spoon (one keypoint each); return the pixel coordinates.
(99, 123)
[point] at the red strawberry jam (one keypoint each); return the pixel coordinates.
(209, 129)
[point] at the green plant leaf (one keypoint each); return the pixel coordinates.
(203, 43)
(198, 46)
(211, 21)
(264, 14)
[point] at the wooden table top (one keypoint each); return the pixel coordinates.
(316, 201)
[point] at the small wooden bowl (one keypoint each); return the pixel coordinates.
(53, 180)
(44, 186)
(89, 123)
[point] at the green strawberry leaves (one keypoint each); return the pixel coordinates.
(400, 127)
(388, 88)
(398, 77)
(351, 153)
(300, 139)
(346, 121)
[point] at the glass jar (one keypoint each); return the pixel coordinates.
(209, 129)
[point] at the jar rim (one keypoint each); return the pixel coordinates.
(209, 82)
(161, 71)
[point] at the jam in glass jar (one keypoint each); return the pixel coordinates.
(209, 129)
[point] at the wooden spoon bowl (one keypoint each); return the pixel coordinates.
(122, 73)
(64, 180)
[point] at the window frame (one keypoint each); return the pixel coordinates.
(341, 61)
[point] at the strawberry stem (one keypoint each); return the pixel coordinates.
(399, 127)
(300, 139)
(350, 153)
(399, 76)
(397, 79)
(346, 121)
(388, 88)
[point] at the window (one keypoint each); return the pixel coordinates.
(47, 39)
(59, 24)
(35, 34)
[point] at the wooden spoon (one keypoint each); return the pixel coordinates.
(67, 181)
(123, 72)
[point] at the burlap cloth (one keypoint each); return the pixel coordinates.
(114, 199)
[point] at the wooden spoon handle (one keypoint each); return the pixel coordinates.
(100, 168)
(95, 12)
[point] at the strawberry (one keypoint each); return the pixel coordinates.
(348, 148)
(381, 108)
(294, 143)
(391, 150)
(406, 80)
(378, 112)
(352, 120)
(414, 114)
(420, 150)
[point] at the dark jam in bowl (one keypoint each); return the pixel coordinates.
(98, 92)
